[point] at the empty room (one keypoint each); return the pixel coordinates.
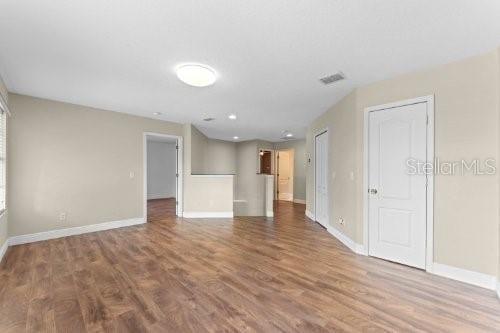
(249, 166)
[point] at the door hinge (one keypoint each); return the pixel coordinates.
(176, 175)
(427, 119)
(177, 202)
(177, 147)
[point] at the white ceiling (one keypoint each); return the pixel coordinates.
(120, 54)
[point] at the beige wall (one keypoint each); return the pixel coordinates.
(299, 166)
(220, 157)
(466, 216)
(74, 159)
(250, 186)
(208, 193)
(211, 156)
(198, 148)
(4, 228)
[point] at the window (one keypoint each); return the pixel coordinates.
(3, 144)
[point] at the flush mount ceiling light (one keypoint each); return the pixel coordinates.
(289, 135)
(196, 75)
(232, 116)
(236, 137)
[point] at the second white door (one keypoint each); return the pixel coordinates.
(397, 199)
(321, 179)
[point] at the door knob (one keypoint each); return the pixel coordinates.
(373, 191)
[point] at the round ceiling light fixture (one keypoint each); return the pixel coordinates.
(236, 137)
(289, 135)
(232, 116)
(196, 75)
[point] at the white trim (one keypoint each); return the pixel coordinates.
(450, 272)
(58, 233)
(299, 201)
(430, 182)
(316, 134)
(3, 249)
(352, 245)
(310, 215)
(199, 215)
(180, 171)
(463, 275)
(270, 214)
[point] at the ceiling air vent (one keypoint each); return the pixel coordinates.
(208, 119)
(332, 78)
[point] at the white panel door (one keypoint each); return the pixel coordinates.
(284, 179)
(397, 200)
(321, 179)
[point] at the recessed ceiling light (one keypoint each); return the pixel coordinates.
(196, 75)
(157, 113)
(289, 135)
(236, 137)
(232, 116)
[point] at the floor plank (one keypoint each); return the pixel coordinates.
(250, 274)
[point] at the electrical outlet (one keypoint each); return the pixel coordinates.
(341, 221)
(62, 216)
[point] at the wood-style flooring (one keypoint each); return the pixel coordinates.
(216, 275)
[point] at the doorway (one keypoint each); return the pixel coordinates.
(162, 176)
(398, 197)
(321, 178)
(265, 162)
(284, 174)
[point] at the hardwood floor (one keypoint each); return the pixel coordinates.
(247, 274)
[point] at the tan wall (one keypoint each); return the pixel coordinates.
(211, 156)
(198, 149)
(466, 127)
(212, 194)
(299, 166)
(74, 159)
(4, 228)
(220, 157)
(250, 186)
(342, 153)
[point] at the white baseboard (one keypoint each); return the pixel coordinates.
(40, 236)
(310, 215)
(4, 248)
(352, 245)
(299, 201)
(463, 275)
(199, 215)
(270, 214)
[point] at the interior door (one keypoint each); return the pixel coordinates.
(396, 199)
(321, 179)
(284, 176)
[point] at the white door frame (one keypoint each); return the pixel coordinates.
(292, 165)
(429, 258)
(180, 171)
(316, 134)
